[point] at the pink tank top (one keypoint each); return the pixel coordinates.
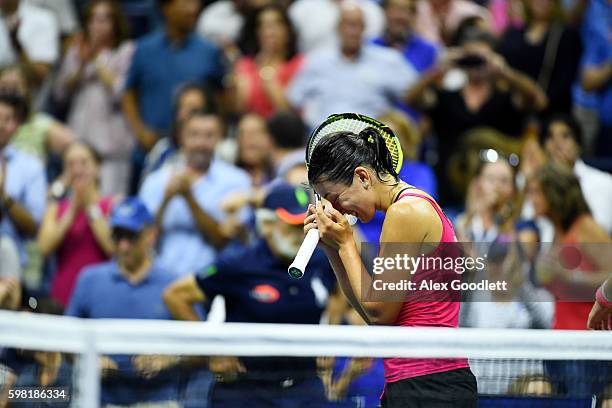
(78, 250)
(426, 314)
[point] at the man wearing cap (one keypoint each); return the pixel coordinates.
(257, 289)
(130, 287)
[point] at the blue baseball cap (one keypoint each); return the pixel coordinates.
(131, 214)
(290, 203)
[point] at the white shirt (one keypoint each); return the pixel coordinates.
(316, 22)
(220, 22)
(596, 187)
(63, 11)
(38, 34)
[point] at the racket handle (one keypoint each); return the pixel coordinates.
(296, 269)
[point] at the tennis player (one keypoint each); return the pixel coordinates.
(355, 173)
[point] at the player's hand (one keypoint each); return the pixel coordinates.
(599, 318)
(334, 229)
(310, 222)
(226, 368)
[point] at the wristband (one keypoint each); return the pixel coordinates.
(601, 298)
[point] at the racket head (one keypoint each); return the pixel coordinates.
(355, 122)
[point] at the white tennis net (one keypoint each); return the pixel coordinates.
(90, 339)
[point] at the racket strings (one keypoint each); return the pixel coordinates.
(354, 123)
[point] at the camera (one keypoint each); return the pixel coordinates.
(471, 61)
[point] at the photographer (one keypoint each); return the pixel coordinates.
(492, 95)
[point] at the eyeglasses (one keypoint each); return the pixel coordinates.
(120, 234)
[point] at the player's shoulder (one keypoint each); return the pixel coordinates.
(418, 204)
(411, 218)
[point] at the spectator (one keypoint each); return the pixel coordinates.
(561, 139)
(491, 224)
(10, 274)
(75, 225)
(546, 50)
(261, 291)
(64, 12)
(40, 134)
(288, 133)
(399, 34)
(255, 149)
(437, 20)
(326, 84)
(506, 14)
(531, 385)
(413, 172)
(262, 77)
(130, 287)
(22, 179)
(222, 22)
(28, 35)
(190, 98)
(556, 194)
(91, 78)
(352, 382)
(316, 21)
(491, 227)
(597, 67)
(147, 101)
(494, 95)
(186, 197)
(572, 274)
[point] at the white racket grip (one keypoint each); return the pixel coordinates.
(296, 269)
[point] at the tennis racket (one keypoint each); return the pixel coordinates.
(343, 122)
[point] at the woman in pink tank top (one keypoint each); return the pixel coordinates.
(354, 173)
(75, 225)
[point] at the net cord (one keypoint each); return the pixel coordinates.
(124, 336)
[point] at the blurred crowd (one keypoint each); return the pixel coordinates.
(152, 137)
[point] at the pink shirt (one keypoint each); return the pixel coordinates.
(78, 250)
(426, 314)
(258, 101)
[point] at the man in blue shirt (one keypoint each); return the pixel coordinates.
(258, 289)
(399, 34)
(130, 287)
(186, 197)
(162, 62)
(23, 185)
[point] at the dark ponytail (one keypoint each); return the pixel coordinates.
(336, 156)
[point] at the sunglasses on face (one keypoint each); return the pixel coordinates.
(120, 234)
